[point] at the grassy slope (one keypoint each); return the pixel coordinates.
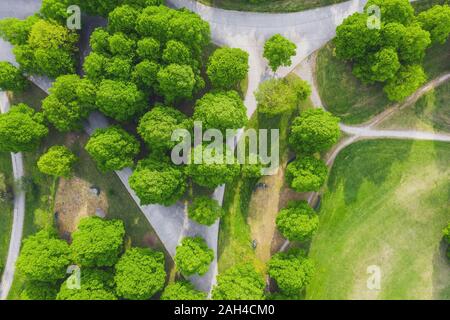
(430, 113)
(386, 205)
(269, 5)
(235, 241)
(6, 209)
(121, 205)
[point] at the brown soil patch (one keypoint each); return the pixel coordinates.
(75, 200)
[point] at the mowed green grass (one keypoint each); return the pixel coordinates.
(269, 5)
(430, 113)
(386, 205)
(6, 208)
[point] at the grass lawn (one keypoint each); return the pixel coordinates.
(6, 208)
(386, 205)
(246, 220)
(343, 94)
(269, 5)
(430, 113)
(121, 206)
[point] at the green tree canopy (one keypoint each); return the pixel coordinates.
(148, 48)
(176, 82)
(121, 45)
(95, 65)
(156, 127)
(393, 10)
(11, 78)
(95, 284)
(145, 75)
(405, 83)
(43, 257)
(97, 242)
(240, 282)
(58, 161)
(55, 10)
(414, 44)
(278, 51)
(123, 19)
(436, 21)
(99, 41)
(158, 181)
(313, 131)
(21, 129)
(70, 101)
(205, 210)
(306, 174)
(119, 68)
(177, 52)
(120, 100)
(38, 290)
(182, 290)
(17, 31)
(227, 67)
(381, 66)
(208, 167)
(221, 110)
(112, 148)
(278, 96)
(291, 270)
(298, 221)
(193, 256)
(140, 274)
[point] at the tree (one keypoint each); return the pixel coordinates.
(221, 111)
(297, 222)
(94, 66)
(55, 10)
(38, 290)
(43, 257)
(156, 127)
(158, 181)
(193, 256)
(208, 167)
(315, 130)
(119, 68)
(240, 282)
(278, 51)
(21, 129)
(112, 148)
(177, 52)
(140, 274)
(353, 39)
(227, 67)
(95, 284)
(97, 7)
(148, 48)
(380, 66)
(99, 41)
(120, 100)
(70, 101)
(176, 82)
(145, 75)
(121, 45)
(57, 161)
(306, 174)
(205, 210)
(279, 96)
(393, 35)
(123, 19)
(415, 42)
(182, 290)
(16, 31)
(153, 22)
(436, 21)
(11, 79)
(405, 83)
(400, 11)
(52, 47)
(97, 242)
(291, 270)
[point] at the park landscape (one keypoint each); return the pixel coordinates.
(88, 188)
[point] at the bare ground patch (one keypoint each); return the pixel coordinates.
(75, 200)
